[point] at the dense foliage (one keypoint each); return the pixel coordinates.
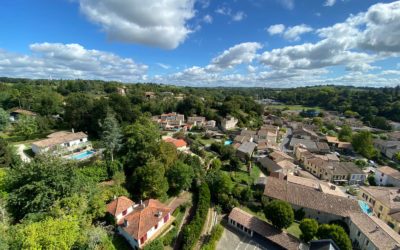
(337, 234)
(309, 228)
(192, 231)
(280, 213)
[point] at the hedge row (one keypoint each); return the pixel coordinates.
(215, 236)
(192, 231)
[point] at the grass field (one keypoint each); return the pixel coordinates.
(292, 107)
(294, 230)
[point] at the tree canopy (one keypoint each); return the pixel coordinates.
(280, 213)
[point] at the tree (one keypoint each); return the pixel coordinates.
(156, 244)
(111, 135)
(61, 233)
(345, 133)
(35, 186)
(397, 156)
(371, 180)
(4, 119)
(309, 228)
(280, 213)
(78, 111)
(26, 126)
(180, 177)
(5, 154)
(337, 234)
(363, 144)
(150, 180)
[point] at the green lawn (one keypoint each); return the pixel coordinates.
(294, 230)
(292, 107)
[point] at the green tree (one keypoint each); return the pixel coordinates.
(397, 156)
(5, 154)
(48, 102)
(61, 233)
(111, 135)
(150, 180)
(371, 180)
(363, 144)
(309, 228)
(35, 186)
(180, 177)
(26, 126)
(280, 213)
(155, 245)
(4, 119)
(337, 234)
(345, 133)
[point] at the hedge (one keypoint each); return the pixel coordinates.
(216, 234)
(192, 231)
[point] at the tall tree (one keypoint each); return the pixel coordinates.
(149, 181)
(5, 154)
(26, 126)
(280, 213)
(180, 177)
(363, 144)
(4, 119)
(111, 135)
(337, 234)
(345, 133)
(309, 228)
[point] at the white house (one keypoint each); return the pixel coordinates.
(60, 141)
(387, 176)
(140, 223)
(229, 123)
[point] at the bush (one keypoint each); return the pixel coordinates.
(216, 234)
(337, 234)
(170, 237)
(309, 228)
(299, 214)
(280, 213)
(192, 231)
(154, 245)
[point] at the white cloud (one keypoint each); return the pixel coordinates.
(70, 61)
(251, 69)
(294, 33)
(156, 23)
(276, 29)
(239, 16)
(164, 66)
(288, 4)
(329, 3)
(226, 11)
(208, 19)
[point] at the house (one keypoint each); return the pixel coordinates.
(198, 121)
(122, 91)
(211, 124)
(179, 144)
(384, 202)
(229, 123)
(269, 133)
(245, 151)
(322, 186)
(172, 121)
(273, 167)
(387, 176)
(252, 226)
(242, 139)
(61, 142)
(17, 112)
(312, 146)
(149, 95)
(323, 207)
(278, 155)
(327, 244)
(304, 133)
(388, 148)
(140, 223)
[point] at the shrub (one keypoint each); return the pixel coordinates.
(309, 228)
(280, 213)
(337, 234)
(216, 234)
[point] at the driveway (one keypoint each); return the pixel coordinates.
(233, 239)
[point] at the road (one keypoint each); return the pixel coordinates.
(286, 140)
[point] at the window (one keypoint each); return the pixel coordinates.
(380, 208)
(156, 226)
(367, 243)
(358, 234)
(124, 212)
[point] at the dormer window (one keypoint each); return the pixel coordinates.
(124, 212)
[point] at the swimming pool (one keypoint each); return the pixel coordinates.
(364, 207)
(82, 155)
(227, 142)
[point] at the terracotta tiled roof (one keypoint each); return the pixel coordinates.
(279, 155)
(263, 228)
(142, 219)
(119, 205)
(57, 140)
(380, 234)
(309, 198)
(178, 143)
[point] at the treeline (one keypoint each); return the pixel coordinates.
(192, 231)
(370, 103)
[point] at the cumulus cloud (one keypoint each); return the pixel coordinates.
(239, 16)
(163, 65)
(226, 11)
(294, 33)
(329, 3)
(70, 61)
(290, 33)
(276, 29)
(156, 23)
(208, 19)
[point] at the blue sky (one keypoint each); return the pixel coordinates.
(284, 43)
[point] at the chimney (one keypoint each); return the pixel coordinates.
(114, 197)
(126, 223)
(73, 131)
(159, 214)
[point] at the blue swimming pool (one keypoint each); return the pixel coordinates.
(228, 142)
(365, 208)
(82, 155)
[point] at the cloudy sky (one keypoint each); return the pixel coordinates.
(269, 43)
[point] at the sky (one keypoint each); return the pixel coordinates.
(247, 43)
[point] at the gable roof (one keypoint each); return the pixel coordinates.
(263, 228)
(389, 171)
(390, 197)
(59, 139)
(247, 147)
(144, 217)
(279, 155)
(309, 198)
(119, 205)
(178, 143)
